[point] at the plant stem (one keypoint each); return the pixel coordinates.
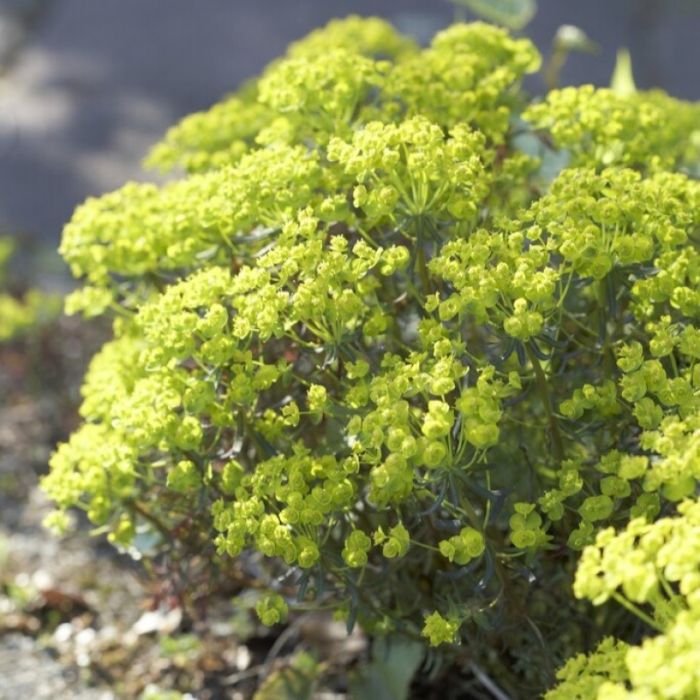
(557, 444)
(138, 508)
(423, 269)
(608, 359)
(636, 611)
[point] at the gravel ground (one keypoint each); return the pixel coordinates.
(45, 581)
(29, 672)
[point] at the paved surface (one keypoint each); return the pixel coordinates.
(98, 82)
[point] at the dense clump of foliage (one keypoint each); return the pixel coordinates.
(372, 341)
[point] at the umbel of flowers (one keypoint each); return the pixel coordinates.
(368, 345)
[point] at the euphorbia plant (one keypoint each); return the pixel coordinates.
(367, 341)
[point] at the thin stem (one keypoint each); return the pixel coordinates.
(487, 509)
(608, 359)
(138, 508)
(540, 378)
(545, 649)
(425, 546)
(674, 364)
(423, 268)
(636, 611)
(487, 682)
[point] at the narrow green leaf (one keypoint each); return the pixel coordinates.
(294, 682)
(514, 14)
(388, 677)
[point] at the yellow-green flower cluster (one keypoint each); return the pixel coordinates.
(470, 73)
(327, 94)
(272, 609)
(650, 563)
(439, 630)
(589, 677)
(665, 666)
(600, 127)
(407, 171)
(464, 547)
(219, 136)
(615, 218)
(141, 229)
(215, 138)
(368, 36)
(395, 543)
(647, 566)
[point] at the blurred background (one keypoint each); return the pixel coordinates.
(87, 86)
